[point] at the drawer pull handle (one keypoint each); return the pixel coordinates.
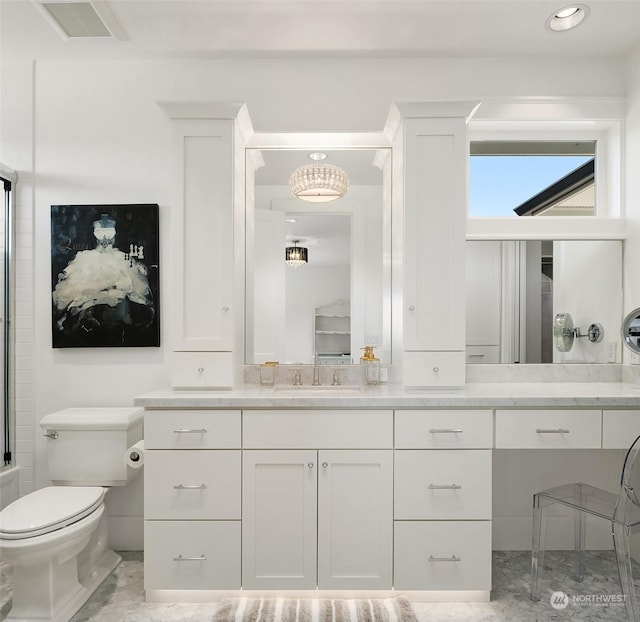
(476, 356)
(190, 487)
(180, 558)
(445, 431)
(190, 431)
(555, 431)
(453, 558)
(444, 487)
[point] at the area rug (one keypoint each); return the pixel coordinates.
(315, 610)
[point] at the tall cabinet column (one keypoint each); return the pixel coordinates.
(430, 185)
(206, 139)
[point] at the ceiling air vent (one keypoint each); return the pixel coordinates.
(77, 19)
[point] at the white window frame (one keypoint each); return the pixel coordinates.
(558, 119)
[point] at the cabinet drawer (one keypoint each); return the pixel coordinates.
(192, 484)
(444, 429)
(192, 429)
(433, 369)
(445, 484)
(192, 555)
(322, 429)
(620, 428)
(477, 355)
(548, 429)
(437, 555)
(202, 370)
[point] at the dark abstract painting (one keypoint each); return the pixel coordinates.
(104, 275)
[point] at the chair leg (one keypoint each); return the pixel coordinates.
(623, 558)
(579, 530)
(537, 546)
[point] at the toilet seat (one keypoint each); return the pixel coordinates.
(49, 509)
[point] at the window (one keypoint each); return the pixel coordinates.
(524, 178)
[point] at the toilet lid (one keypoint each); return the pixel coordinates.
(48, 509)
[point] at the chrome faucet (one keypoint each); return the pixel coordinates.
(316, 371)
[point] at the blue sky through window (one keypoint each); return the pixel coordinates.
(498, 184)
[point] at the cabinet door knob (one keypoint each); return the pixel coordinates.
(412, 308)
(200, 369)
(310, 465)
(325, 465)
(436, 370)
(225, 308)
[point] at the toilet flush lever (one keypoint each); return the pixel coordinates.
(53, 434)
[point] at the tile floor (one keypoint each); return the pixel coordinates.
(121, 597)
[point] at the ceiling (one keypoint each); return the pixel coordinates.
(315, 28)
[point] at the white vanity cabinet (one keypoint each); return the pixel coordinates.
(434, 155)
(442, 499)
(192, 499)
(202, 242)
(317, 505)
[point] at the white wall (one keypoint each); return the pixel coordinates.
(91, 132)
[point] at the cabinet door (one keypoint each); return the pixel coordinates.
(202, 236)
(279, 519)
(355, 519)
(436, 154)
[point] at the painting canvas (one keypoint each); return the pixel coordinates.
(105, 275)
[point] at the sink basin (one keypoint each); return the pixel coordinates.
(309, 390)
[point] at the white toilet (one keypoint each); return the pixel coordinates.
(56, 537)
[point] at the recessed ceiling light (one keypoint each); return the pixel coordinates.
(567, 17)
(317, 156)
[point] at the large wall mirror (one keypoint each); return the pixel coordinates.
(515, 288)
(335, 298)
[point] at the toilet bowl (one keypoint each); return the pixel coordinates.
(56, 538)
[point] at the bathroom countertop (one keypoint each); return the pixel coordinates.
(473, 395)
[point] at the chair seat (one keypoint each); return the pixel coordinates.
(589, 499)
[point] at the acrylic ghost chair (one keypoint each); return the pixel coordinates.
(621, 510)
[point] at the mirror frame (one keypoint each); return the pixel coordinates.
(626, 326)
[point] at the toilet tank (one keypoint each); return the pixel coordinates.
(87, 446)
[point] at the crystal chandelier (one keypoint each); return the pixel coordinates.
(296, 255)
(319, 183)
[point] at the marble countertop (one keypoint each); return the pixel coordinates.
(473, 395)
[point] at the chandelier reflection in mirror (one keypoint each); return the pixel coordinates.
(319, 183)
(296, 255)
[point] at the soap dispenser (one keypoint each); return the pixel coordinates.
(371, 365)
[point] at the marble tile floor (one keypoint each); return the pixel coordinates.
(121, 597)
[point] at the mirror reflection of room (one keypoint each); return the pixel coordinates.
(515, 288)
(326, 305)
